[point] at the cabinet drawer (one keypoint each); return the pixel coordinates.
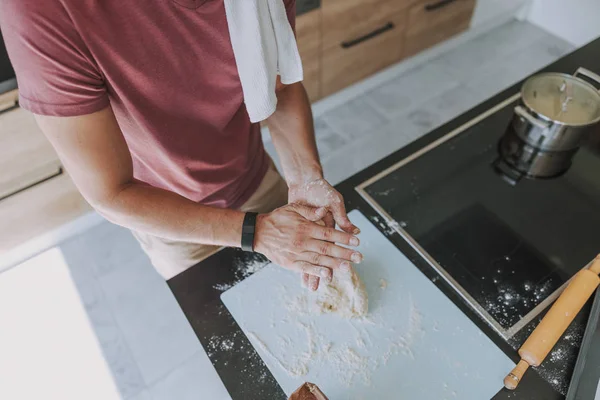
(26, 157)
(39, 210)
(308, 36)
(365, 54)
(312, 76)
(434, 21)
(344, 20)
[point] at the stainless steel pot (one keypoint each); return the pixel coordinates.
(557, 110)
(519, 159)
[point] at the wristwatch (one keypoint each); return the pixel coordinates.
(248, 229)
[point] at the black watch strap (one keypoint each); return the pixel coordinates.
(248, 229)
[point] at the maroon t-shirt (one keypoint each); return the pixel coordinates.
(167, 70)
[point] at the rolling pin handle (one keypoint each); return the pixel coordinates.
(512, 380)
(595, 268)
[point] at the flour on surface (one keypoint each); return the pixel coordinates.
(350, 361)
(404, 343)
(299, 369)
(555, 368)
(243, 267)
(222, 286)
(227, 345)
(389, 227)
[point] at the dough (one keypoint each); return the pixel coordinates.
(345, 295)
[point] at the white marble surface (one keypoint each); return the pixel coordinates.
(147, 345)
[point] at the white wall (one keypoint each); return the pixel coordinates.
(576, 21)
(488, 11)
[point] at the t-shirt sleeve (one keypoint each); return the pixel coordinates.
(290, 7)
(56, 74)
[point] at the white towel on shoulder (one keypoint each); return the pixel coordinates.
(264, 46)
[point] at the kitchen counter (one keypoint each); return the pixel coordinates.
(244, 375)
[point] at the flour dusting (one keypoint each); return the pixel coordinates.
(243, 267)
(223, 286)
(388, 227)
(352, 360)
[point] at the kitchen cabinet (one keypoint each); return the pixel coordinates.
(8, 100)
(378, 46)
(36, 195)
(26, 157)
(308, 35)
(360, 37)
(433, 21)
(346, 20)
(39, 210)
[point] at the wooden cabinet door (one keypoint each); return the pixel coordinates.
(308, 36)
(344, 20)
(378, 45)
(433, 21)
(26, 157)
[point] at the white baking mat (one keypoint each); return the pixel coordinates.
(415, 344)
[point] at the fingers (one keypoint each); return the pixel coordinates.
(313, 273)
(310, 213)
(341, 218)
(333, 235)
(333, 250)
(330, 263)
(329, 220)
(305, 278)
(310, 281)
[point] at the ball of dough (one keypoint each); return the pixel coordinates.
(345, 295)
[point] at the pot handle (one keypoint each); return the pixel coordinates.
(521, 112)
(588, 74)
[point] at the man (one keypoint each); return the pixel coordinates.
(143, 104)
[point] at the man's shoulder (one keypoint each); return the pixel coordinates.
(21, 16)
(30, 8)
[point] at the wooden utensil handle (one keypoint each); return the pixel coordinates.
(514, 377)
(557, 320)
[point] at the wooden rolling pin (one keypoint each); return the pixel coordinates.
(556, 321)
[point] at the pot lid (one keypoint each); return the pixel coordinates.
(562, 98)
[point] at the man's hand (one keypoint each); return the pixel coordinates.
(291, 237)
(320, 194)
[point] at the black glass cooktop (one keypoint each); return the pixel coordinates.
(505, 248)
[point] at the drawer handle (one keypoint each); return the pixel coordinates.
(42, 180)
(371, 35)
(439, 4)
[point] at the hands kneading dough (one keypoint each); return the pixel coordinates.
(345, 295)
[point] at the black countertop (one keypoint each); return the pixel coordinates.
(242, 371)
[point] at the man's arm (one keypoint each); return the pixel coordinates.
(95, 154)
(293, 134)
(292, 130)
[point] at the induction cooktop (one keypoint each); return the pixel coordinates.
(506, 248)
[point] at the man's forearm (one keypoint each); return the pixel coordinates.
(168, 215)
(291, 128)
